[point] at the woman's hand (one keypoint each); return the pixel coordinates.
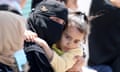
(45, 46)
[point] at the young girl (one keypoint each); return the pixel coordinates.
(63, 53)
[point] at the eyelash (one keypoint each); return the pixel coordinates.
(67, 36)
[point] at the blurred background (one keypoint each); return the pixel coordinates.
(26, 8)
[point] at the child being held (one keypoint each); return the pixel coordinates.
(62, 54)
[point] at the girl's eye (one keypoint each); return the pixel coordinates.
(76, 41)
(67, 36)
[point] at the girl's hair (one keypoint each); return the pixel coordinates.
(79, 20)
(12, 27)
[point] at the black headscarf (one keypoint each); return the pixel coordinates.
(40, 22)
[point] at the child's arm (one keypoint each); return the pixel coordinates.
(32, 36)
(45, 46)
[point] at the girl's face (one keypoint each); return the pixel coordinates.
(71, 38)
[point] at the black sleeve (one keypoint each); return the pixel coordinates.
(37, 60)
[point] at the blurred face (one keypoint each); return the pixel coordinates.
(71, 38)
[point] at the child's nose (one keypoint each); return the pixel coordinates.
(69, 43)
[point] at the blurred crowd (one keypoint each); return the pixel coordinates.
(60, 36)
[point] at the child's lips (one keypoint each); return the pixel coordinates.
(66, 48)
